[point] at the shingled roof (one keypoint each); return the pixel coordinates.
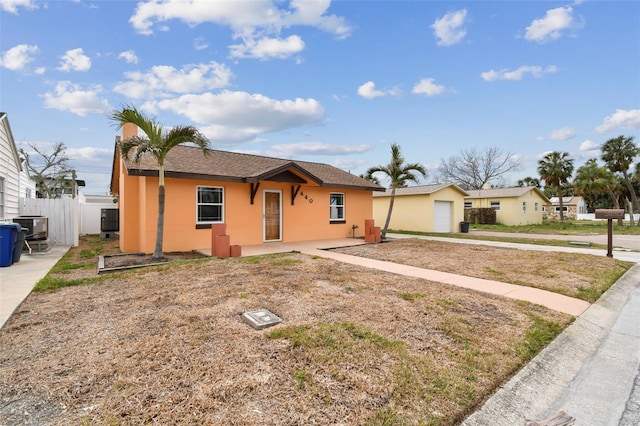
(421, 190)
(190, 163)
(503, 192)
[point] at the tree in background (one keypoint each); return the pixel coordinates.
(399, 174)
(594, 182)
(529, 181)
(158, 143)
(473, 169)
(618, 154)
(49, 169)
(555, 169)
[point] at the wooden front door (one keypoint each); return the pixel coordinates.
(272, 218)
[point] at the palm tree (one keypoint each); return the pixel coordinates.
(156, 142)
(619, 153)
(555, 169)
(529, 181)
(399, 173)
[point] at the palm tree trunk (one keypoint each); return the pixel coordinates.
(634, 205)
(616, 204)
(157, 253)
(386, 222)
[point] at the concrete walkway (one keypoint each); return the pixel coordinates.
(17, 280)
(555, 301)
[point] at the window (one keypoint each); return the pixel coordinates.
(495, 205)
(564, 208)
(210, 206)
(524, 206)
(336, 207)
(535, 207)
(468, 204)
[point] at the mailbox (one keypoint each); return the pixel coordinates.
(609, 213)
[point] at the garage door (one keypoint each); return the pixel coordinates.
(442, 216)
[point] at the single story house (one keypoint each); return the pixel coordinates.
(425, 208)
(259, 199)
(513, 206)
(571, 206)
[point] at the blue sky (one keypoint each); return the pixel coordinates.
(332, 82)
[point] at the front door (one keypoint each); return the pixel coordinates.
(271, 217)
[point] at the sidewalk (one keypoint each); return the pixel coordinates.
(590, 371)
(17, 280)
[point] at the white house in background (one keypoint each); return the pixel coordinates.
(571, 206)
(10, 170)
(27, 184)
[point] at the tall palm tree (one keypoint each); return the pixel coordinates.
(399, 173)
(619, 153)
(555, 169)
(156, 142)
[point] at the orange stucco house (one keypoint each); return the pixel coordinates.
(258, 199)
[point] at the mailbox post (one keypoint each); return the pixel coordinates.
(609, 214)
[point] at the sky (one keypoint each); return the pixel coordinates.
(326, 81)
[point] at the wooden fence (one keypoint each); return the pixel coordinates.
(63, 218)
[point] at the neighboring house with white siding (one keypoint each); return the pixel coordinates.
(10, 171)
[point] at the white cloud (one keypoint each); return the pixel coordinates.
(318, 148)
(200, 44)
(551, 27)
(620, 119)
(11, 6)
(18, 57)
(588, 149)
(349, 164)
(255, 23)
(266, 48)
(163, 80)
(368, 90)
(240, 116)
(129, 56)
(517, 74)
(449, 29)
(562, 134)
(426, 86)
(75, 60)
(71, 97)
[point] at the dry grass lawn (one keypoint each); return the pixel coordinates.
(585, 277)
(166, 345)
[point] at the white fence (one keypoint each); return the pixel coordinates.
(592, 216)
(63, 216)
(91, 216)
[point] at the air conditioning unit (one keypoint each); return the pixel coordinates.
(37, 227)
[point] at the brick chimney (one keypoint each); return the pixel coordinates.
(129, 130)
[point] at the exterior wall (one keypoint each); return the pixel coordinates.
(415, 212)
(511, 212)
(307, 219)
(9, 172)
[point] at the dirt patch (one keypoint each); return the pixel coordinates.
(167, 345)
(140, 259)
(576, 275)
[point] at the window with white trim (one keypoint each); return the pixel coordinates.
(336, 207)
(495, 205)
(524, 206)
(564, 208)
(468, 204)
(210, 204)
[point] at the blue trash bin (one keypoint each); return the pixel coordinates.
(8, 236)
(17, 248)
